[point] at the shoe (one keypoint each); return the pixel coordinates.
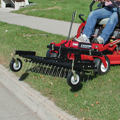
(98, 40)
(82, 38)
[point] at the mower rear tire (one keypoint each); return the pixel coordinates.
(71, 80)
(14, 67)
(100, 70)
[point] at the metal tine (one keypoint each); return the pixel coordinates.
(41, 67)
(33, 66)
(50, 69)
(37, 64)
(60, 72)
(68, 71)
(44, 68)
(40, 64)
(37, 67)
(83, 79)
(30, 64)
(48, 72)
(89, 75)
(47, 66)
(53, 70)
(26, 65)
(65, 73)
(57, 71)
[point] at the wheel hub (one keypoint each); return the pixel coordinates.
(75, 81)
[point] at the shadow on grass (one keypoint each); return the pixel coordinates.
(77, 89)
(24, 76)
(85, 79)
(57, 72)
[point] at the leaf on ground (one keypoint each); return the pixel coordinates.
(97, 102)
(51, 83)
(34, 77)
(76, 94)
(92, 105)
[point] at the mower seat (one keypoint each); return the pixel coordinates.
(102, 21)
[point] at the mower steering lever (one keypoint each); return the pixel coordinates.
(80, 16)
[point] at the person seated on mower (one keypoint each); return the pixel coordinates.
(108, 11)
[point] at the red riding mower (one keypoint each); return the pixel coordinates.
(75, 57)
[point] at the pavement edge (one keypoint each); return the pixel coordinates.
(39, 104)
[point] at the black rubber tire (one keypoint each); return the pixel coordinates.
(48, 53)
(54, 55)
(13, 66)
(71, 82)
(51, 55)
(101, 70)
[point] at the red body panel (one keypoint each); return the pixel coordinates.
(114, 57)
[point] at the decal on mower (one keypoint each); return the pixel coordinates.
(85, 45)
(75, 44)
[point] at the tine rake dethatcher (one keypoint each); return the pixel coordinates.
(62, 60)
(55, 66)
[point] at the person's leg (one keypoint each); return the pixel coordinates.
(92, 19)
(91, 22)
(110, 26)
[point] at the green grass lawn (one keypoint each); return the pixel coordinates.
(97, 99)
(57, 9)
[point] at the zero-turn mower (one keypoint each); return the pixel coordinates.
(75, 57)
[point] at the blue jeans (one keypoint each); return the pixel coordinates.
(105, 12)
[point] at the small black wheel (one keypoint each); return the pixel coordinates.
(100, 70)
(71, 80)
(15, 67)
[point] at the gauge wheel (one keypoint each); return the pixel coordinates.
(100, 70)
(15, 67)
(71, 80)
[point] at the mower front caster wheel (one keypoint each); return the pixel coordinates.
(15, 65)
(71, 80)
(53, 55)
